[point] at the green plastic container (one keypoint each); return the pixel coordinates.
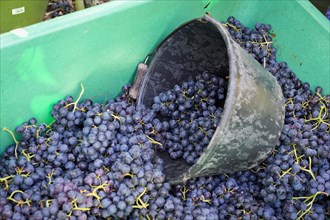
(101, 47)
(20, 13)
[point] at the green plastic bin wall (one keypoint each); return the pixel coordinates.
(20, 13)
(101, 47)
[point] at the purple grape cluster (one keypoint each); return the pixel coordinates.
(99, 161)
(58, 8)
(93, 161)
(191, 114)
(327, 14)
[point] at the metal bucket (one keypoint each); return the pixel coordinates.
(254, 108)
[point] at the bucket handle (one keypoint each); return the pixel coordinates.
(141, 70)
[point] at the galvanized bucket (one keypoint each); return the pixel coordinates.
(254, 108)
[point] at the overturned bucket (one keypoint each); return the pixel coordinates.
(254, 108)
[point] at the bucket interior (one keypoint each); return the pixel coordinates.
(190, 50)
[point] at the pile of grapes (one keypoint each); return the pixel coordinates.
(58, 8)
(190, 114)
(99, 161)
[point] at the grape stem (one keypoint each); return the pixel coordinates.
(184, 191)
(6, 179)
(19, 171)
(310, 171)
(246, 212)
(200, 128)
(322, 98)
(105, 169)
(27, 155)
(305, 104)
(139, 202)
(76, 102)
(129, 175)
(285, 173)
(48, 126)
(153, 141)
(21, 202)
(310, 200)
(99, 187)
(298, 158)
(48, 202)
(205, 200)
(262, 166)
(49, 176)
(232, 26)
(116, 117)
(289, 101)
(14, 138)
(320, 118)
